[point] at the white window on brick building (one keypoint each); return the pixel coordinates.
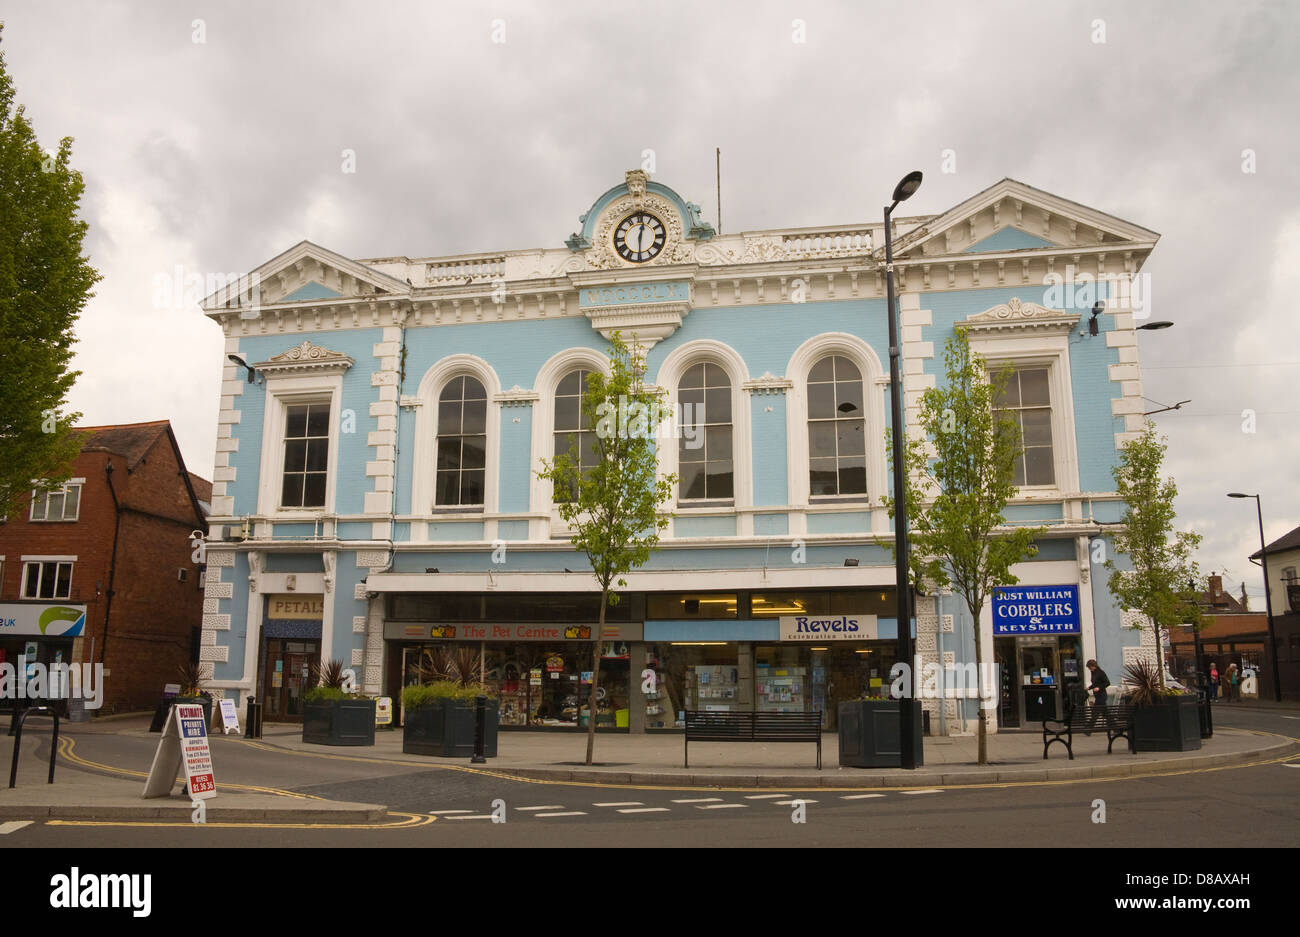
(58, 504)
(47, 579)
(1027, 400)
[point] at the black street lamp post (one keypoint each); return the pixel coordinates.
(907, 755)
(1268, 601)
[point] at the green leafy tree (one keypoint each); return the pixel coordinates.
(613, 507)
(45, 281)
(958, 484)
(1161, 583)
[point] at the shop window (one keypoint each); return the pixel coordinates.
(702, 675)
(47, 580)
(1026, 400)
(704, 451)
(306, 455)
(574, 435)
(776, 604)
(462, 444)
(674, 606)
(60, 504)
(836, 428)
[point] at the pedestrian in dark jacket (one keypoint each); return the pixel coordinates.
(1097, 690)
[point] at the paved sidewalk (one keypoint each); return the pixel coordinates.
(656, 759)
(80, 794)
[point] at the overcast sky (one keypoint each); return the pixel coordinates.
(218, 154)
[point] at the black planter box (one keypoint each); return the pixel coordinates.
(1173, 726)
(870, 736)
(339, 722)
(446, 729)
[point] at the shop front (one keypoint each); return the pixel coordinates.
(798, 651)
(1037, 645)
(290, 654)
(37, 633)
(540, 670)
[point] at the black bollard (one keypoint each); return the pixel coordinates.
(480, 717)
(253, 719)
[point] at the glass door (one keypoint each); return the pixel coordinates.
(287, 674)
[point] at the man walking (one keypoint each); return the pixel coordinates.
(1097, 689)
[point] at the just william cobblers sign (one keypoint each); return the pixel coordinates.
(1036, 610)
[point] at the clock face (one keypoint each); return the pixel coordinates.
(639, 237)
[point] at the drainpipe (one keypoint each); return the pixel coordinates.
(112, 564)
(397, 423)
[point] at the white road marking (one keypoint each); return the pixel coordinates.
(445, 812)
(697, 800)
(1294, 764)
(859, 796)
(930, 790)
(621, 803)
(719, 806)
(764, 796)
(14, 826)
(1291, 717)
(543, 807)
(481, 816)
(571, 813)
(644, 810)
(796, 801)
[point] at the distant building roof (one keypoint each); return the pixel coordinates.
(1283, 543)
(202, 488)
(129, 440)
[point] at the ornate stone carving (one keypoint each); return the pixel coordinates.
(254, 567)
(1016, 314)
(768, 384)
(306, 357)
(636, 180)
(516, 397)
(327, 560)
(601, 255)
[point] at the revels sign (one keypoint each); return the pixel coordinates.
(829, 628)
(1036, 610)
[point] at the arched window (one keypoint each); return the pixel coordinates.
(462, 443)
(704, 451)
(574, 435)
(836, 429)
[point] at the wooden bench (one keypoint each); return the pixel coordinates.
(1115, 719)
(753, 727)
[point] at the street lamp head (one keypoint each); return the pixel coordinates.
(1155, 326)
(909, 184)
(1238, 494)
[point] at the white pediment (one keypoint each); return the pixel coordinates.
(306, 273)
(306, 358)
(1016, 314)
(1011, 206)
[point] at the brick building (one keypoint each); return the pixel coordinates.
(101, 569)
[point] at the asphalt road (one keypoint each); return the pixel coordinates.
(1256, 804)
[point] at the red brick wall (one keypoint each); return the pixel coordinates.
(153, 614)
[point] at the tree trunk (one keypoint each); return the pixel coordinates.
(1160, 653)
(595, 678)
(982, 731)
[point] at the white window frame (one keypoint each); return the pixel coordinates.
(78, 483)
(669, 377)
(1030, 353)
(1020, 365)
(541, 492)
(425, 473)
(283, 392)
(875, 383)
(38, 561)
